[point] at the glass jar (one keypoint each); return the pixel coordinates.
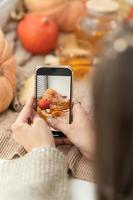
(102, 18)
(80, 60)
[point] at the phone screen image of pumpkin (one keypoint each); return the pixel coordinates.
(53, 97)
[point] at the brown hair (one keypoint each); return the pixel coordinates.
(113, 115)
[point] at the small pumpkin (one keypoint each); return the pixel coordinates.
(7, 74)
(38, 33)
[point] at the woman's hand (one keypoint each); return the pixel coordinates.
(33, 135)
(80, 132)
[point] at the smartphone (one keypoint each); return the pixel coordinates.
(54, 94)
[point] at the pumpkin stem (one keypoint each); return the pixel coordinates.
(1, 71)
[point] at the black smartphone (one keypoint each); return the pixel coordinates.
(54, 94)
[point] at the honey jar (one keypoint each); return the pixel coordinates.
(80, 60)
(102, 18)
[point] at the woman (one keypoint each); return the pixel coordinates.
(42, 173)
(113, 115)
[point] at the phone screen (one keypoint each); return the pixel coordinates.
(53, 91)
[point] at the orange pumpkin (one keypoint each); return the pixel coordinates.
(38, 34)
(65, 12)
(7, 74)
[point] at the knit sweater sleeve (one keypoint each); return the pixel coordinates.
(39, 175)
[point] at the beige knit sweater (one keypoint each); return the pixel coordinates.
(39, 175)
(77, 165)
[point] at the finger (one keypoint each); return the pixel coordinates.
(78, 113)
(77, 109)
(39, 122)
(33, 114)
(59, 125)
(26, 111)
(35, 117)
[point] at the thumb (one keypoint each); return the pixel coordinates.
(59, 125)
(77, 112)
(36, 118)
